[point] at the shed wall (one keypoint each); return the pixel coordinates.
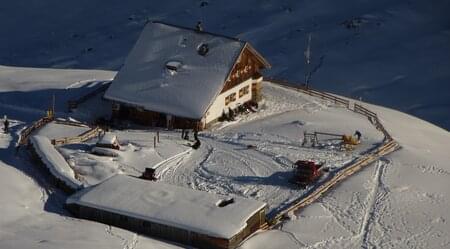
(175, 234)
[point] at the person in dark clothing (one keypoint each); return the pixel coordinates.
(6, 125)
(186, 135)
(230, 114)
(358, 135)
(195, 134)
(197, 143)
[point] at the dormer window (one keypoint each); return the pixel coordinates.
(225, 202)
(173, 67)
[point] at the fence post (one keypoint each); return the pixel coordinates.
(154, 142)
(157, 135)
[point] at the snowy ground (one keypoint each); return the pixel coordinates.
(33, 215)
(137, 151)
(32, 209)
(136, 154)
(400, 202)
(225, 165)
(56, 130)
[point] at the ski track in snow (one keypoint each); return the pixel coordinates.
(376, 202)
(375, 198)
(250, 172)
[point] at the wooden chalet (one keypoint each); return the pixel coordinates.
(178, 77)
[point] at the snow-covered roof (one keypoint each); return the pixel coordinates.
(54, 161)
(108, 138)
(170, 205)
(165, 72)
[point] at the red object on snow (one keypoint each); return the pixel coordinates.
(306, 172)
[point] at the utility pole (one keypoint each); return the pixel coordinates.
(308, 61)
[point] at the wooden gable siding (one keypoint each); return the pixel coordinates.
(247, 66)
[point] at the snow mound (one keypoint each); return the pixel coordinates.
(54, 161)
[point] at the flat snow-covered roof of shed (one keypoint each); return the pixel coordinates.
(107, 138)
(164, 72)
(170, 205)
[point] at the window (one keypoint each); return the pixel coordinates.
(244, 91)
(230, 98)
(233, 97)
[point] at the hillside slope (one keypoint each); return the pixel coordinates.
(400, 202)
(391, 53)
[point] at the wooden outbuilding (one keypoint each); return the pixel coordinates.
(183, 215)
(179, 77)
(108, 140)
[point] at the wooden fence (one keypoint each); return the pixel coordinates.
(80, 138)
(71, 123)
(389, 145)
(25, 133)
(311, 91)
(357, 108)
(341, 175)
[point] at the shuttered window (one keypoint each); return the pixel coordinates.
(244, 91)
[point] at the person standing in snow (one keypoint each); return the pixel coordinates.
(197, 143)
(195, 134)
(358, 135)
(5, 124)
(199, 26)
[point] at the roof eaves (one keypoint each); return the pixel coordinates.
(258, 55)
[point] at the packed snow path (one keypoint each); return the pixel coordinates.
(253, 158)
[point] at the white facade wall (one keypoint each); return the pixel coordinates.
(218, 106)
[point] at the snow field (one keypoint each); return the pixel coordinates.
(410, 203)
(399, 202)
(225, 165)
(33, 214)
(136, 154)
